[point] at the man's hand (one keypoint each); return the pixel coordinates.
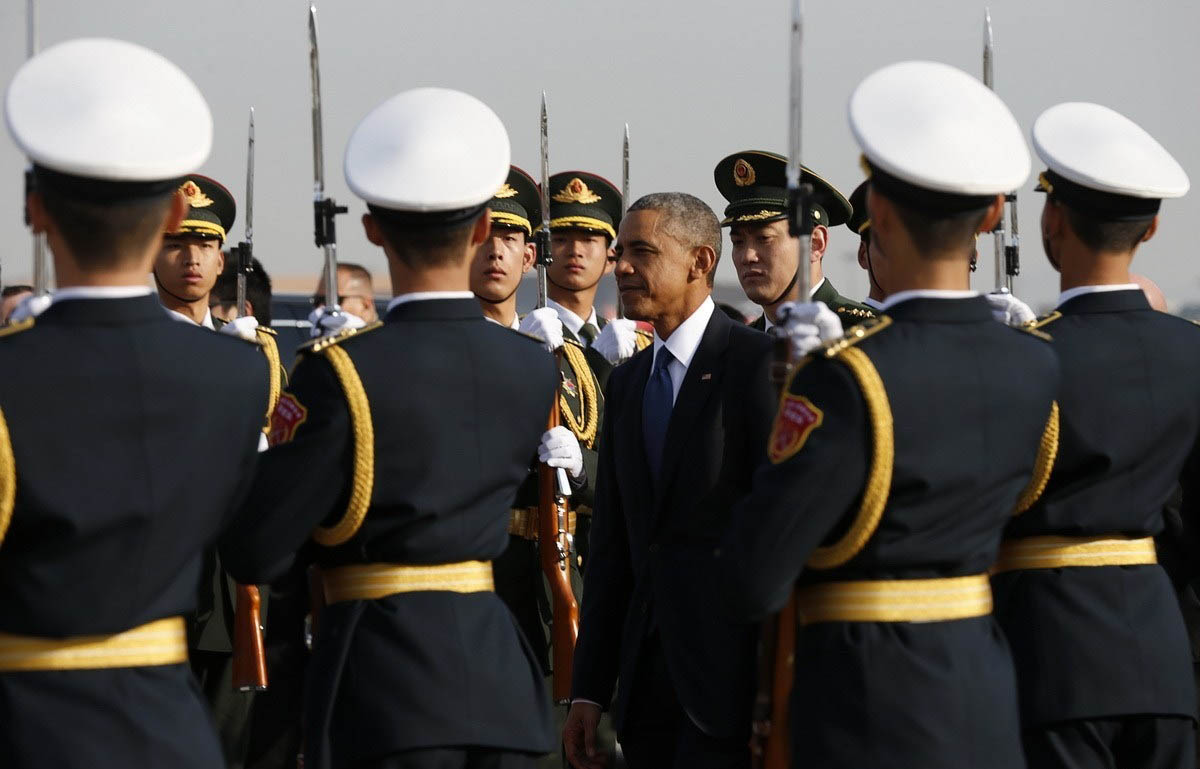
(579, 736)
(243, 326)
(325, 323)
(617, 341)
(808, 325)
(560, 448)
(29, 307)
(543, 323)
(1010, 310)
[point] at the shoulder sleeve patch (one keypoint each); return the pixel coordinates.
(868, 327)
(794, 422)
(287, 417)
(17, 327)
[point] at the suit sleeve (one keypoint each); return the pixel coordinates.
(608, 584)
(299, 482)
(798, 496)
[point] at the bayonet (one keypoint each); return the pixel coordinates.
(543, 237)
(624, 199)
(325, 209)
(800, 223)
(245, 250)
(1006, 244)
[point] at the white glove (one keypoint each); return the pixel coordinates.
(560, 448)
(29, 307)
(617, 341)
(325, 323)
(544, 324)
(808, 325)
(1010, 310)
(242, 326)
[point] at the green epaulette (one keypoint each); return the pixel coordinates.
(868, 327)
(17, 327)
(325, 342)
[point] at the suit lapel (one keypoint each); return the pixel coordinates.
(700, 382)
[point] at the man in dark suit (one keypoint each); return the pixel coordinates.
(131, 437)
(686, 424)
(389, 450)
(1102, 653)
(889, 483)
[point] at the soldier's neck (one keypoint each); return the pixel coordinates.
(450, 277)
(503, 313)
(1081, 267)
(133, 272)
(815, 276)
(578, 302)
(196, 310)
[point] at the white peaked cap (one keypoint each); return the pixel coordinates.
(110, 110)
(938, 128)
(428, 150)
(1099, 148)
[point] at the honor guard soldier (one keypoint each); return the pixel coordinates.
(1102, 655)
(191, 259)
(766, 256)
(860, 224)
(389, 451)
(98, 570)
(888, 484)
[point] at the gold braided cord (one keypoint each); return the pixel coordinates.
(1043, 464)
(161, 642)
(587, 423)
(8, 478)
(271, 350)
(363, 480)
(879, 478)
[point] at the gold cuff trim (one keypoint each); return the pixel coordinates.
(879, 477)
(162, 642)
(8, 478)
(270, 349)
(523, 522)
(897, 600)
(1043, 464)
(582, 222)
(506, 219)
(369, 581)
(363, 480)
(1052, 552)
(200, 226)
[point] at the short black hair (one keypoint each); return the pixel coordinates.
(100, 234)
(13, 290)
(1105, 235)
(355, 269)
(933, 231)
(258, 288)
(427, 241)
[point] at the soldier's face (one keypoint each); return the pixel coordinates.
(188, 266)
(581, 259)
(653, 269)
(499, 263)
(765, 257)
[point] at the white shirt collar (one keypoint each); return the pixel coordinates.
(925, 293)
(767, 324)
(685, 340)
(1071, 293)
(207, 322)
(421, 296)
(874, 304)
(570, 319)
(515, 325)
(99, 292)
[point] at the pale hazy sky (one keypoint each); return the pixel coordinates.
(695, 79)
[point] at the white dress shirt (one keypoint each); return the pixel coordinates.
(571, 320)
(683, 343)
(515, 325)
(421, 296)
(925, 293)
(207, 322)
(1071, 293)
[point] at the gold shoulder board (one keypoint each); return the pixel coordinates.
(1045, 320)
(867, 328)
(17, 327)
(325, 342)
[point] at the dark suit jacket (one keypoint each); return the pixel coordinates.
(652, 545)
(458, 407)
(135, 438)
(1110, 641)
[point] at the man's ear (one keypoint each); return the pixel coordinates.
(529, 256)
(862, 254)
(820, 241)
(1053, 219)
(1151, 230)
(610, 260)
(482, 228)
(39, 220)
(705, 261)
(221, 261)
(372, 230)
(994, 211)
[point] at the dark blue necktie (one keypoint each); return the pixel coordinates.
(657, 402)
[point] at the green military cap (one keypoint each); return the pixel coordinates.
(755, 184)
(517, 203)
(211, 209)
(583, 201)
(859, 220)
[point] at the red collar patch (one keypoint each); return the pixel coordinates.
(796, 420)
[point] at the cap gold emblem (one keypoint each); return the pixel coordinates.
(195, 197)
(506, 191)
(743, 173)
(576, 192)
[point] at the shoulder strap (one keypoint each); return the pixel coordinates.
(16, 327)
(868, 327)
(322, 342)
(1045, 320)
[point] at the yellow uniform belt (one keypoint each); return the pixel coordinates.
(1056, 552)
(523, 522)
(895, 600)
(162, 642)
(368, 581)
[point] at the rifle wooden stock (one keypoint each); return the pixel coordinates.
(769, 744)
(554, 551)
(249, 657)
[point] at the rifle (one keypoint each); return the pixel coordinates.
(553, 486)
(249, 656)
(769, 745)
(324, 208)
(1007, 245)
(40, 278)
(624, 199)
